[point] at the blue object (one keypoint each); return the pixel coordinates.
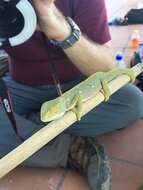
(119, 56)
(141, 52)
(118, 21)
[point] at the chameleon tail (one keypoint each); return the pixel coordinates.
(126, 71)
(112, 74)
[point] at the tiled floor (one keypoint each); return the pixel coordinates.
(125, 147)
(125, 150)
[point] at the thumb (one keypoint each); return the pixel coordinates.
(47, 3)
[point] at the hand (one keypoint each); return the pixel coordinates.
(51, 21)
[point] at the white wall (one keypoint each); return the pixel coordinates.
(119, 7)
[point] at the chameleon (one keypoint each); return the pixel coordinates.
(73, 99)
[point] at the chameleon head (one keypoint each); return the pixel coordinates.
(52, 110)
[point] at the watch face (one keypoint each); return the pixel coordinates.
(17, 22)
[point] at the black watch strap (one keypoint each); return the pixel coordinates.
(70, 40)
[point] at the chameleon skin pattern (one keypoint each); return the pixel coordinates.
(73, 98)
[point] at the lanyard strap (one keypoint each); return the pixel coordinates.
(5, 98)
(52, 67)
(7, 106)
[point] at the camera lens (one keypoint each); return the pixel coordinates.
(11, 20)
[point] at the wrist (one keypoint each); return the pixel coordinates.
(65, 33)
(55, 26)
(71, 38)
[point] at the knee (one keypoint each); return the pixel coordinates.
(133, 99)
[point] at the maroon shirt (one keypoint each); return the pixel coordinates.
(29, 62)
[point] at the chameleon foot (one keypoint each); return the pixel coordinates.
(78, 108)
(106, 90)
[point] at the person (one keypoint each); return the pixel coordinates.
(30, 81)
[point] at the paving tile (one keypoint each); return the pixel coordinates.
(44, 179)
(126, 144)
(126, 176)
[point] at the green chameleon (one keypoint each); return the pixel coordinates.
(73, 99)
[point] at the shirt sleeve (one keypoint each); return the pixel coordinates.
(91, 17)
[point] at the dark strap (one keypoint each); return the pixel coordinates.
(5, 98)
(54, 76)
(61, 181)
(52, 67)
(71, 8)
(6, 103)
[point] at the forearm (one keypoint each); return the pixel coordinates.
(86, 55)
(90, 57)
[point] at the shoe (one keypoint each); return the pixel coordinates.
(90, 159)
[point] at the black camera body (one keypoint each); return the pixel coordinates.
(18, 22)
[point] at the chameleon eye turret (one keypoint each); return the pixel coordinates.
(17, 22)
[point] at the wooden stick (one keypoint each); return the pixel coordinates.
(46, 134)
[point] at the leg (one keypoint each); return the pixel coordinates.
(77, 101)
(106, 91)
(122, 109)
(27, 99)
(125, 150)
(50, 155)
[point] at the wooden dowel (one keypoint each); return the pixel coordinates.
(50, 131)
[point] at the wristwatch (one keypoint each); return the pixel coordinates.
(70, 40)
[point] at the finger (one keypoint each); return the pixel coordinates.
(38, 27)
(44, 2)
(50, 2)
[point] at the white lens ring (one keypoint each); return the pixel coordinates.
(30, 23)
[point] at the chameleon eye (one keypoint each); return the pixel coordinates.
(80, 91)
(92, 86)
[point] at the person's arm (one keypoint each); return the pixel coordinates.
(86, 55)
(90, 57)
